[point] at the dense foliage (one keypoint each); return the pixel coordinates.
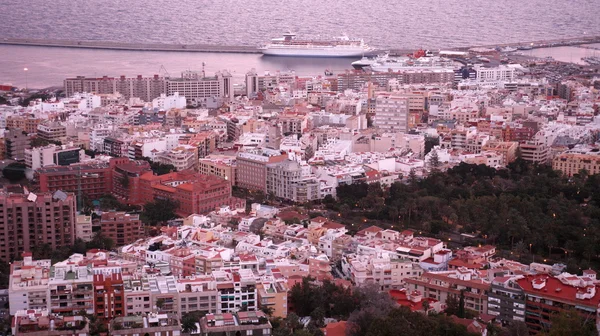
(160, 168)
(14, 172)
(159, 211)
(368, 311)
(517, 206)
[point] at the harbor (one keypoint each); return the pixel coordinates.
(245, 49)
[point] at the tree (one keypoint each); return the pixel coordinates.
(267, 310)
(159, 211)
(101, 242)
(425, 306)
(309, 152)
(461, 305)
(189, 320)
(434, 159)
(14, 172)
(570, 322)
(517, 328)
(318, 317)
(160, 302)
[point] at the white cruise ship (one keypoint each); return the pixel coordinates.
(289, 45)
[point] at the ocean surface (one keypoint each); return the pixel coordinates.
(403, 24)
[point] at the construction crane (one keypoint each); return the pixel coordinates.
(162, 68)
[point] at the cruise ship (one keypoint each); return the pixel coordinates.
(289, 45)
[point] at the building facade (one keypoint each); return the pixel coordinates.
(33, 220)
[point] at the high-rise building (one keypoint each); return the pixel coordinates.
(391, 113)
(28, 220)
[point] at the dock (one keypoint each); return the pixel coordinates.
(212, 48)
(205, 48)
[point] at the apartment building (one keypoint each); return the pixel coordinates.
(252, 167)
(16, 142)
(441, 285)
(506, 299)
(71, 289)
(391, 113)
(573, 161)
(221, 166)
(241, 323)
(273, 294)
(145, 88)
(83, 228)
(182, 157)
(535, 152)
(196, 86)
(194, 192)
(546, 295)
(96, 179)
(126, 179)
(237, 290)
(121, 227)
(35, 219)
(198, 294)
(38, 157)
(109, 298)
(52, 131)
(37, 322)
(26, 123)
(151, 324)
(28, 284)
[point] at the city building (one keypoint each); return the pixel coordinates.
(145, 88)
(109, 301)
(195, 193)
(573, 161)
(391, 113)
(166, 103)
(151, 324)
(16, 142)
(231, 324)
(274, 295)
(83, 228)
(535, 152)
(506, 300)
(121, 227)
(36, 322)
(28, 284)
(251, 167)
(38, 157)
(195, 86)
(28, 220)
(52, 131)
(546, 295)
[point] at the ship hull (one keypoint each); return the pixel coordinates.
(313, 52)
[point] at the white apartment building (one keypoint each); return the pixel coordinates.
(391, 113)
(28, 284)
(97, 135)
(52, 154)
(500, 73)
(196, 87)
(166, 103)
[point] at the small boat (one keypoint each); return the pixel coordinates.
(328, 72)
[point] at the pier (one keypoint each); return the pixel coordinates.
(207, 48)
(212, 48)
